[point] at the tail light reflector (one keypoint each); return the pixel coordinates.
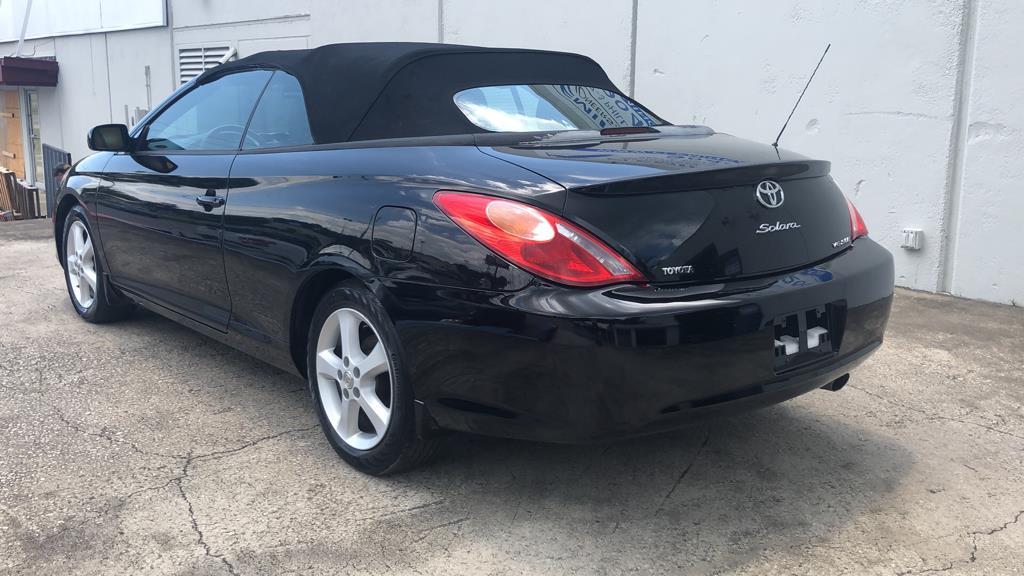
(857, 226)
(539, 242)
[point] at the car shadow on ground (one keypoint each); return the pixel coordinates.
(717, 495)
(712, 497)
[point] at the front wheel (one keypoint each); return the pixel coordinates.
(356, 375)
(83, 272)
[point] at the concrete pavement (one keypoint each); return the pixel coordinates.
(141, 447)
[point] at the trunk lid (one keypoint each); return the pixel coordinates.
(685, 207)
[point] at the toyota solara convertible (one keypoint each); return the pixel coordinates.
(495, 241)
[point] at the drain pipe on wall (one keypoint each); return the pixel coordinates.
(950, 228)
(24, 27)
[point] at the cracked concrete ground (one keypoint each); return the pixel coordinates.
(143, 448)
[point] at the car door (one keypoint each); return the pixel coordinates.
(161, 206)
(265, 240)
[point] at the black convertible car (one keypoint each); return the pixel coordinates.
(488, 240)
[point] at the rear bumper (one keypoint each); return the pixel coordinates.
(566, 365)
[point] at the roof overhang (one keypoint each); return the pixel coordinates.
(16, 71)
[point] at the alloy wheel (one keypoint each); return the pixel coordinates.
(354, 378)
(80, 260)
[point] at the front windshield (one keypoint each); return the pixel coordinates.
(550, 107)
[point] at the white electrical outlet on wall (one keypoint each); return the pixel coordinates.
(913, 238)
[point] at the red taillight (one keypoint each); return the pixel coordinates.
(534, 240)
(857, 226)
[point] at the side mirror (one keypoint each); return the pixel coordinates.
(109, 138)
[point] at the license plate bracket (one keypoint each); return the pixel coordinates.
(805, 336)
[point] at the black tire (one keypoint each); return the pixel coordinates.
(402, 446)
(107, 305)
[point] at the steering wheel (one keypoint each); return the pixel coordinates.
(227, 136)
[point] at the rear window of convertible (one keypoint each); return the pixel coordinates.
(551, 107)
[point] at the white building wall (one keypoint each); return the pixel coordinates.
(49, 18)
(200, 13)
(986, 260)
(129, 53)
(83, 62)
(881, 107)
(284, 33)
(377, 21)
(917, 104)
(601, 29)
(99, 75)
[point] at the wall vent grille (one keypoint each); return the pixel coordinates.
(194, 61)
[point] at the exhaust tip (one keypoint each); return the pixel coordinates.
(837, 384)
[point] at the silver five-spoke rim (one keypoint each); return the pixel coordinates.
(353, 375)
(81, 264)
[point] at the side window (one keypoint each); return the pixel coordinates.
(280, 117)
(209, 117)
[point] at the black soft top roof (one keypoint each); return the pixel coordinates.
(372, 90)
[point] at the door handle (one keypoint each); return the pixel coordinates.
(210, 200)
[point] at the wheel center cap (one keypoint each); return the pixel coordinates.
(347, 379)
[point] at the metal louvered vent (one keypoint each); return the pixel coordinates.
(194, 61)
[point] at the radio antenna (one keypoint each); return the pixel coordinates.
(790, 117)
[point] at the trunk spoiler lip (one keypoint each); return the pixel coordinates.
(684, 180)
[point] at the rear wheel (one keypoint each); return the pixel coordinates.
(363, 401)
(83, 273)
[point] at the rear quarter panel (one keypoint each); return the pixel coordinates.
(291, 214)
